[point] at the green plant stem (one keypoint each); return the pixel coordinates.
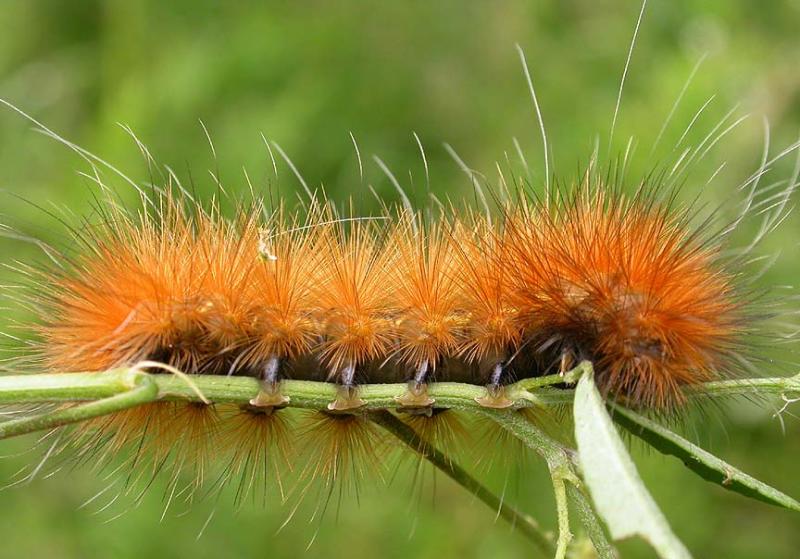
(533, 383)
(558, 460)
(515, 423)
(143, 391)
(68, 387)
(527, 525)
(64, 387)
(562, 508)
(562, 469)
(580, 503)
(110, 391)
(771, 385)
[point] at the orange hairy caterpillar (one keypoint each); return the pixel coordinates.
(600, 276)
(627, 280)
(602, 269)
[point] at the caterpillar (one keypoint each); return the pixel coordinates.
(601, 276)
(598, 268)
(587, 273)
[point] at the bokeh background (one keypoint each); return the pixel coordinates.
(306, 74)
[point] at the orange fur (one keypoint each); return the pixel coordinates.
(284, 319)
(133, 289)
(619, 280)
(256, 443)
(428, 296)
(493, 330)
(354, 298)
(341, 448)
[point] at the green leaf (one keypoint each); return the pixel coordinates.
(614, 484)
(700, 461)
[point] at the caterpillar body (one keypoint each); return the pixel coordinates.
(588, 274)
(603, 277)
(597, 269)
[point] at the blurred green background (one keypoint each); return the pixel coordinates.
(305, 74)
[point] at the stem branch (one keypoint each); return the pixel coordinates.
(562, 507)
(527, 525)
(144, 391)
(563, 472)
(591, 524)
